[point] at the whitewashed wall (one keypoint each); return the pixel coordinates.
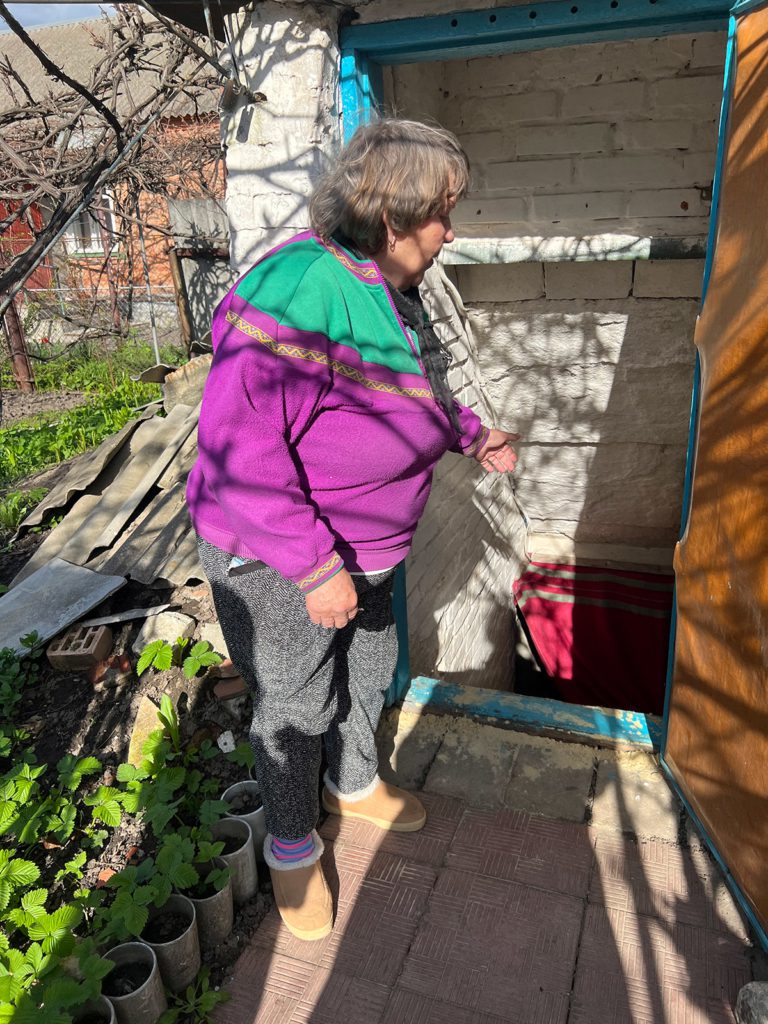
(605, 137)
(591, 362)
(277, 149)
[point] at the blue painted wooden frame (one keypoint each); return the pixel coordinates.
(464, 34)
(600, 726)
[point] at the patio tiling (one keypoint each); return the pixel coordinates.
(491, 916)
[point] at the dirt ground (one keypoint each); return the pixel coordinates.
(19, 406)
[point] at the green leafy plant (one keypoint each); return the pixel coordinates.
(161, 655)
(15, 874)
(170, 721)
(17, 505)
(242, 755)
(30, 446)
(196, 1003)
(169, 783)
(51, 928)
(12, 679)
(202, 655)
(158, 655)
(136, 889)
(32, 807)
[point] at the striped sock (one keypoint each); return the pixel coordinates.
(292, 849)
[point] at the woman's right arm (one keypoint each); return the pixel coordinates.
(258, 399)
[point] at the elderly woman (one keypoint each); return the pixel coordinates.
(325, 412)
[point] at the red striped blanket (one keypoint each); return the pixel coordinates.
(601, 634)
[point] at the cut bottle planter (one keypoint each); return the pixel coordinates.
(238, 855)
(171, 932)
(247, 795)
(134, 986)
(96, 1011)
(215, 913)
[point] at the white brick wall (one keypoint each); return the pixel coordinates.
(597, 378)
(470, 544)
(616, 123)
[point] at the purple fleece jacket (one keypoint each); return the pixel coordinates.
(318, 432)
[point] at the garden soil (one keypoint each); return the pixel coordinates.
(20, 406)
(64, 712)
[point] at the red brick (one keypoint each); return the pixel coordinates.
(80, 648)
(229, 688)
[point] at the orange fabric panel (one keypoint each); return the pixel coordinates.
(717, 742)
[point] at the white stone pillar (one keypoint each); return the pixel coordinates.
(277, 149)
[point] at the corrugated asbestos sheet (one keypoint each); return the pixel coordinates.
(125, 514)
(51, 599)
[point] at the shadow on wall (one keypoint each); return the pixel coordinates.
(279, 148)
(460, 617)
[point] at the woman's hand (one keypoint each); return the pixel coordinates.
(333, 604)
(497, 454)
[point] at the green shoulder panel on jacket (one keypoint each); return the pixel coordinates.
(306, 287)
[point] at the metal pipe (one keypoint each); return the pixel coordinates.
(145, 264)
(182, 297)
(22, 367)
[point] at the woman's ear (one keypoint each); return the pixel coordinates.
(391, 235)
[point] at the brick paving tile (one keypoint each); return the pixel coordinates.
(636, 969)
(410, 1008)
(379, 899)
(332, 997)
(478, 921)
(428, 846)
(664, 881)
(275, 989)
(516, 846)
(496, 947)
(266, 989)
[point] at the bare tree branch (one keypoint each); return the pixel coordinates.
(56, 72)
(59, 150)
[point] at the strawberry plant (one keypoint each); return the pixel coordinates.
(161, 655)
(51, 926)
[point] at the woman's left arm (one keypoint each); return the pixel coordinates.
(491, 447)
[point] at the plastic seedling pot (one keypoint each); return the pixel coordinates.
(215, 910)
(245, 800)
(134, 986)
(171, 932)
(238, 855)
(95, 1011)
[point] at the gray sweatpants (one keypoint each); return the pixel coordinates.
(309, 684)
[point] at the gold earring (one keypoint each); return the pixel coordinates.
(391, 245)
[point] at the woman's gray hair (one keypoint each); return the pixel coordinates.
(405, 169)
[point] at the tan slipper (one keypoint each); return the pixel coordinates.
(302, 896)
(386, 806)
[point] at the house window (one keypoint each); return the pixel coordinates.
(84, 234)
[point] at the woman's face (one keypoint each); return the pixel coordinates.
(413, 252)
